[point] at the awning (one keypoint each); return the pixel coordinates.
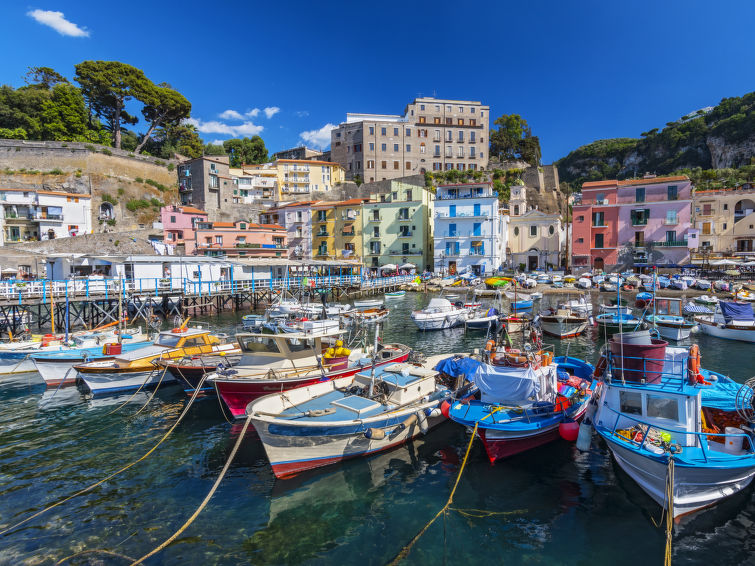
(408, 266)
(389, 266)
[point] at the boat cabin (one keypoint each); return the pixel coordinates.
(668, 306)
(185, 338)
(399, 383)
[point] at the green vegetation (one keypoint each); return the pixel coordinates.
(107, 198)
(156, 203)
(514, 140)
(245, 150)
(159, 186)
(502, 179)
(138, 180)
(135, 204)
(55, 171)
(171, 166)
(121, 191)
(680, 146)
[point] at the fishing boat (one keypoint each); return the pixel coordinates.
(440, 314)
(731, 321)
(514, 323)
(16, 356)
(584, 283)
(395, 294)
(366, 316)
(703, 284)
(657, 406)
(710, 300)
(563, 323)
(608, 287)
(668, 320)
(580, 305)
(56, 368)
(136, 369)
(283, 362)
(615, 322)
(615, 309)
(189, 370)
(482, 319)
(373, 410)
(496, 282)
(643, 299)
(368, 303)
(677, 284)
(525, 396)
(253, 322)
(691, 308)
(744, 295)
(519, 306)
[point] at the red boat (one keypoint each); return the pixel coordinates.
(272, 363)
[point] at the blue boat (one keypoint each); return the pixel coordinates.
(521, 305)
(523, 406)
(668, 411)
(610, 322)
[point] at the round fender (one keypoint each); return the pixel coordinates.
(445, 408)
(374, 434)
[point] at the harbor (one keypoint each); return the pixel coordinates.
(525, 507)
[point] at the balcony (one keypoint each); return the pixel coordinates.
(349, 233)
(670, 244)
(322, 235)
(602, 225)
(671, 222)
(404, 219)
(375, 219)
(407, 252)
(483, 194)
(477, 252)
(406, 234)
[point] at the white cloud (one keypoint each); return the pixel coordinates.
(318, 138)
(301, 113)
(253, 113)
(271, 111)
(58, 22)
(230, 115)
(217, 127)
(217, 142)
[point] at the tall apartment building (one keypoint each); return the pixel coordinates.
(299, 178)
(397, 227)
(432, 135)
(337, 229)
(254, 187)
(469, 232)
(29, 215)
(725, 219)
(637, 221)
(206, 183)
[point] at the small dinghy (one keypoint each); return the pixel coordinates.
(368, 303)
(395, 294)
(366, 316)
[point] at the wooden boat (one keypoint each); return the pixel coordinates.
(731, 321)
(282, 362)
(368, 303)
(134, 370)
(189, 370)
(395, 294)
(562, 323)
(349, 417)
(366, 316)
(672, 409)
(514, 323)
(668, 320)
(524, 398)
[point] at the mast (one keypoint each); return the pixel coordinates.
(374, 356)
(120, 313)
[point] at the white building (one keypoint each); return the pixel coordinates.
(296, 218)
(30, 215)
(536, 239)
(469, 233)
(258, 186)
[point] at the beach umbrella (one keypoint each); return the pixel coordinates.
(389, 266)
(408, 266)
(732, 272)
(723, 262)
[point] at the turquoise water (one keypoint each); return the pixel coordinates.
(555, 505)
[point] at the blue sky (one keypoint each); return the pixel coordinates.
(577, 71)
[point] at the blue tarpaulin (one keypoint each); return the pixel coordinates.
(736, 311)
(722, 395)
(458, 366)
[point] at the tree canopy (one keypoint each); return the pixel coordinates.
(246, 150)
(162, 105)
(514, 140)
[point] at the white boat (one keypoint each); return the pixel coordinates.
(584, 283)
(482, 319)
(439, 315)
(284, 307)
(563, 323)
(661, 414)
(516, 296)
(707, 300)
(731, 321)
(702, 284)
(366, 316)
(667, 318)
(578, 306)
(348, 417)
(615, 309)
(368, 303)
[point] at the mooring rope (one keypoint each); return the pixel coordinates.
(205, 501)
(127, 401)
(668, 510)
(114, 474)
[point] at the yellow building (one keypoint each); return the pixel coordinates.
(337, 229)
(299, 178)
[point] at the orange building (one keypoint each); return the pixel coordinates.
(238, 239)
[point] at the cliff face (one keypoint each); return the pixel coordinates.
(715, 138)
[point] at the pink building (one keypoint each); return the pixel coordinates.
(179, 223)
(238, 239)
(640, 222)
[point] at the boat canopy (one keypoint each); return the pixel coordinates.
(499, 384)
(736, 311)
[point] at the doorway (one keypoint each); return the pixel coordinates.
(452, 267)
(598, 264)
(531, 263)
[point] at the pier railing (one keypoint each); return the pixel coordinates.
(21, 292)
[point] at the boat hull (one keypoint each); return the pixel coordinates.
(113, 382)
(238, 393)
(562, 328)
(743, 335)
(674, 332)
(430, 322)
(695, 487)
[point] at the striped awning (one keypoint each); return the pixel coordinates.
(693, 308)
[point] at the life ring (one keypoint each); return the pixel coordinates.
(179, 330)
(693, 365)
(600, 367)
(489, 345)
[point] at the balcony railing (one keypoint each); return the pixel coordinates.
(671, 222)
(408, 252)
(374, 219)
(484, 194)
(405, 234)
(351, 233)
(322, 235)
(482, 214)
(670, 243)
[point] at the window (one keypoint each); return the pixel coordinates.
(452, 229)
(598, 241)
(372, 146)
(408, 165)
(723, 226)
(214, 182)
(408, 147)
(422, 147)
(461, 109)
(383, 147)
(726, 206)
(477, 229)
(707, 228)
(421, 119)
(551, 230)
(395, 165)
(449, 121)
(671, 217)
(395, 147)
(639, 239)
(670, 236)
(599, 198)
(533, 231)
(461, 135)
(436, 135)
(449, 151)
(673, 193)
(472, 121)
(580, 240)
(471, 153)
(630, 402)
(640, 216)
(472, 137)
(598, 219)
(436, 120)
(580, 218)
(436, 153)
(707, 209)
(370, 164)
(460, 121)
(449, 108)
(172, 219)
(376, 232)
(639, 194)
(321, 215)
(408, 197)
(372, 130)
(218, 239)
(421, 106)
(516, 210)
(408, 132)
(383, 164)
(382, 131)
(460, 151)
(662, 407)
(516, 230)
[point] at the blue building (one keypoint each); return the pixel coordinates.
(470, 233)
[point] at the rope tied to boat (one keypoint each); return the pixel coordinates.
(668, 508)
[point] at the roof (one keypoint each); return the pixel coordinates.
(292, 204)
(308, 161)
(629, 182)
(57, 193)
(350, 202)
(466, 184)
(223, 225)
(191, 210)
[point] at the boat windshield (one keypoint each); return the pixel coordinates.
(259, 344)
(167, 340)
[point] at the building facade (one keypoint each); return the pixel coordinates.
(468, 231)
(337, 229)
(299, 153)
(179, 224)
(397, 227)
(725, 220)
(296, 217)
(238, 239)
(633, 222)
(254, 186)
(536, 240)
(30, 215)
(298, 178)
(206, 183)
(432, 135)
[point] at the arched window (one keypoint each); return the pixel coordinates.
(516, 230)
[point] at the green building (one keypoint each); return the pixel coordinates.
(397, 227)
